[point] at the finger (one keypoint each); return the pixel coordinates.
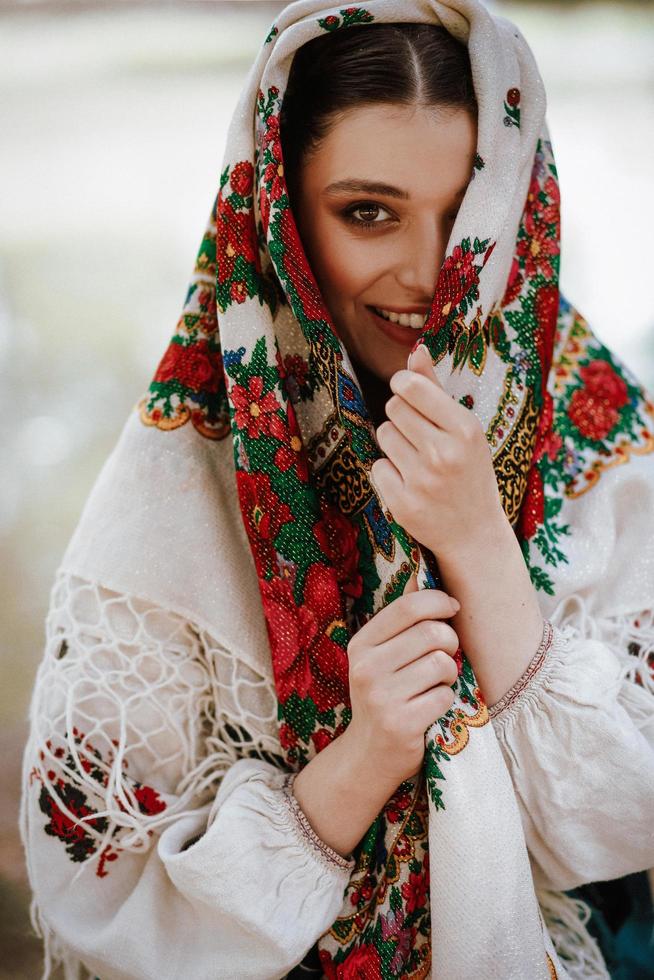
(387, 479)
(397, 448)
(430, 670)
(428, 399)
(420, 432)
(420, 361)
(404, 612)
(433, 704)
(412, 585)
(416, 641)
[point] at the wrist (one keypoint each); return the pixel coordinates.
(340, 793)
(494, 533)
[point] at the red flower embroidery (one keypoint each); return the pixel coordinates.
(306, 659)
(338, 539)
(514, 284)
(537, 248)
(321, 738)
(273, 176)
(547, 311)
(415, 892)
(362, 964)
(513, 97)
(532, 512)
(287, 737)
(265, 515)
(396, 806)
(238, 291)
(457, 275)
(594, 408)
(603, 382)
(291, 452)
(241, 177)
(593, 416)
(264, 207)
(547, 441)
(256, 412)
(149, 800)
(271, 134)
(236, 236)
(296, 367)
(196, 366)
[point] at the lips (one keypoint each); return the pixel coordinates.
(406, 336)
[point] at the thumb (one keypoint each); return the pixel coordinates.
(412, 585)
(420, 361)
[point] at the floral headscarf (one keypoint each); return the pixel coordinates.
(255, 359)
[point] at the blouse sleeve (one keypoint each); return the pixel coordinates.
(577, 734)
(156, 847)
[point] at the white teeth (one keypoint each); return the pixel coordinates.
(413, 320)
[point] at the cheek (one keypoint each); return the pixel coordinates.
(344, 265)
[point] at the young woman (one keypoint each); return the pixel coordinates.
(347, 670)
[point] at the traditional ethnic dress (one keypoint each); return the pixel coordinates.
(197, 637)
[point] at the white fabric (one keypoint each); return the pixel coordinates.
(251, 897)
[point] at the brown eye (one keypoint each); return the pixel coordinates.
(369, 212)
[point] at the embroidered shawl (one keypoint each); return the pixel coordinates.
(255, 360)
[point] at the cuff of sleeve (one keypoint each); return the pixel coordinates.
(511, 700)
(305, 831)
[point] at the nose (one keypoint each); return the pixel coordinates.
(420, 258)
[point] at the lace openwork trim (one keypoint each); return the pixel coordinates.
(326, 852)
(532, 669)
(136, 716)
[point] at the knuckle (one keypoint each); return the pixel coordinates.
(471, 427)
(450, 456)
(377, 701)
(392, 405)
(387, 727)
(431, 456)
(413, 603)
(449, 669)
(360, 674)
(436, 633)
(453, 638)
(382, 431)
(443, 699)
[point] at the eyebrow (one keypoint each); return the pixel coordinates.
(357, 185)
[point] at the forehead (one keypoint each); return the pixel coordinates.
(426, 151)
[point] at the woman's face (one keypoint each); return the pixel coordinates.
(375, 206)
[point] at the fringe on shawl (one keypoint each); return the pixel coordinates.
(566, 919)
(629, 636)
(146, 686)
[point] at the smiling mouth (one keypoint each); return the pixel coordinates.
(399, 333)
(416, 321)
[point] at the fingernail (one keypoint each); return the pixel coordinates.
(413, 354)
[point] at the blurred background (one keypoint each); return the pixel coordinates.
(113, 118)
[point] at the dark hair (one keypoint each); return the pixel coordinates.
(405, 63)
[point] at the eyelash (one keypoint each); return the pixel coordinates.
(348, 214)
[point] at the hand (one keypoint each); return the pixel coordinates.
(437, 479)
(401, 672)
